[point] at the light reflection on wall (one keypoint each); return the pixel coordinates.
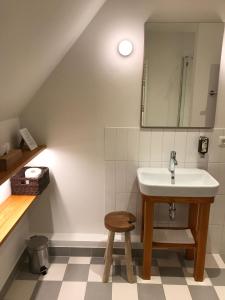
(46, 158)
(5, 191)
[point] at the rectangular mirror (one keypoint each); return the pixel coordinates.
(180, 74)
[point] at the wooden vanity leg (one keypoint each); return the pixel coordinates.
(192, 224)
(142, 219)
(202, 232)
(148, 236)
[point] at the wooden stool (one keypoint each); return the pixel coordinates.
(119, 221)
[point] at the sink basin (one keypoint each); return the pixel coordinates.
(188, 182)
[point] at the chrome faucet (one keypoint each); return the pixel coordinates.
(172, 164)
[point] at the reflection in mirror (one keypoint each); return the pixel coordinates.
(180, 74)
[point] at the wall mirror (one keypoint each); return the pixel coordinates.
(180, 74)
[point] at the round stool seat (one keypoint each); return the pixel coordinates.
(120, 221)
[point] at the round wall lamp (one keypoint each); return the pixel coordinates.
(125, 47)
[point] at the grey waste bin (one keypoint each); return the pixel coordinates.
(38, 254)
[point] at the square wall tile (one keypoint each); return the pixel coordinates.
(217, 211)
(110, 143)
(216, 151)
(110, 201)
(156, 145)
(214, 238)
(133, 144)
(110, 185)
(121, 143)
(192, 154)
(144, 145)
(110, 175)
(167, 144)
(217, 170)
(121, 176)
(180, 142)
(127, 202)
(131, 177)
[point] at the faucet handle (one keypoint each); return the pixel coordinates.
(173, 157)
(173, 154)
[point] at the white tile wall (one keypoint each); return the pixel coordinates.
(126, 149)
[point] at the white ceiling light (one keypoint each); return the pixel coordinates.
(125, 48)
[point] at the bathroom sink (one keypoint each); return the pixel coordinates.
(188, 182)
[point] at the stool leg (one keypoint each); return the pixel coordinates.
(107, 246)
(128, 258)
(108, 256)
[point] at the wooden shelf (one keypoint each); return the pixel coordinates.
(173, 238)
(11, 211)
(27, 156)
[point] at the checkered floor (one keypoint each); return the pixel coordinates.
(79, 278)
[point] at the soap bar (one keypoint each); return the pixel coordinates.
(8, 160)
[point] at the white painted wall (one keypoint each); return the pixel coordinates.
(93, 88)
(34, 36)
(14, 245)
(8, 131)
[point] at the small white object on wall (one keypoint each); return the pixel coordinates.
(125, 47)
(28, 139)
(4, 149)
(222, 140)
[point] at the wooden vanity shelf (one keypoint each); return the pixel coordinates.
(175, 238)
(14, 207)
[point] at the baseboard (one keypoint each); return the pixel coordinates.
(85, 240)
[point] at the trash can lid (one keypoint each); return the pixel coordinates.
(37, 242)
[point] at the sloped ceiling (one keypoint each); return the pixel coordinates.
(34, 36)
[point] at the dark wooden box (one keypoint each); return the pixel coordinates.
(8, 160)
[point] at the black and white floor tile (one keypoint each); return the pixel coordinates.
(79, 278)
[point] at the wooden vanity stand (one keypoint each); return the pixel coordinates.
(198, 222)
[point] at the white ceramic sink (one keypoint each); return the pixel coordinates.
(188, 182)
